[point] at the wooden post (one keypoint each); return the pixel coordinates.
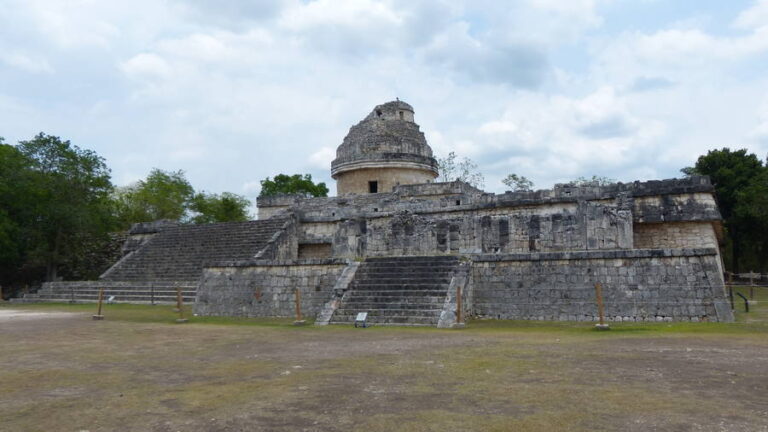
(299, 320)
(600, 310)
(98, 315)
(459, 318)
(179, 306)
(730, 288)
(751, 285)
(1, 294)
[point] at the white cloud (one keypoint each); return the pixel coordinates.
(359, 14)
(254, 89)
(760, 132)
(146, 66)
(754, 17)
(322, 158)
(26, 63)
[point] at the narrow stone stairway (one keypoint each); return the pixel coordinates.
(398, 290)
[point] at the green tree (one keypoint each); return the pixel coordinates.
(751, 213)
(518, 183)
(70, 189)
(736, 176)
(730, 171)
(293, 184)
(15, 197)
(227, 207)
(452, 169)
(163, 195)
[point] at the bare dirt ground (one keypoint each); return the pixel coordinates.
(138, 371)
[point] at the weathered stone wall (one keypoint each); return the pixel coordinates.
(456, 218)
(582, 226)
(675, 235)
(638, 285)
(283, 244)
(356, 182)
(266, 288)
(315, 250)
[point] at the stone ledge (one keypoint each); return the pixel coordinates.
(281, 263)
(598, 254)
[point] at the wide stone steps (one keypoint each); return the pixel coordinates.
(378, 305)
(375, 286)
(398, 281)
(391, 320)
(88, 292)
(398, 291)
(93, 298)
(397, 294)
(179, 253)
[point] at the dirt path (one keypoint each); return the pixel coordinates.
(15, 315)
(63, 371)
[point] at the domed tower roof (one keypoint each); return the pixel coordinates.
(387, 137)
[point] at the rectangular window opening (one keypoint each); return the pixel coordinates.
(373, 186)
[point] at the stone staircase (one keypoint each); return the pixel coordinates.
(173, 257)
(124, 292)
(398, 290)
(178, 253)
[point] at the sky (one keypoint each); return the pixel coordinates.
(233, 92)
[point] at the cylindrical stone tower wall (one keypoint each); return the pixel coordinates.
(384, 150)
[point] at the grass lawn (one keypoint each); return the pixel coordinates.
(140, 371)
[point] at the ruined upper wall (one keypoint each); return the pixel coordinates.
(674, 200)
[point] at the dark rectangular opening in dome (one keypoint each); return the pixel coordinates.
(373, 186)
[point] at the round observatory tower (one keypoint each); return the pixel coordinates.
(384, 150)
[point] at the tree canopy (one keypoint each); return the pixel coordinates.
(60, 212)
(169, 195)
(227, 207)
(741, 187)
(291, 185)
(163, 195)
(595, 180)
(66, 195)
(452, 169)
(517, 183)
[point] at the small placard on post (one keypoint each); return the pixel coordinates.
(360, 319)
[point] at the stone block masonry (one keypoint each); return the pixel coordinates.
(638, 285)
(261, 288)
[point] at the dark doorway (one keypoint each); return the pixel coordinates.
(373, 186)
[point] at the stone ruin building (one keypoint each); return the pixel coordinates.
(399, 246)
